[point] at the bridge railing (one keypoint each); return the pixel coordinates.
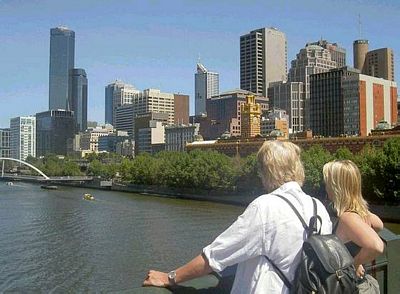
(386, 269)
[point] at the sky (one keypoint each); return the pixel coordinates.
(157, 43)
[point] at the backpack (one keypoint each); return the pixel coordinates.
(326, 266)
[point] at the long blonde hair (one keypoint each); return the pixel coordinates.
(343, 183)
(279, 162)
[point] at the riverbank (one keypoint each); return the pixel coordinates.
(386, 213)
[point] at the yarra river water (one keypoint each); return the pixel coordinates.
(54, 241)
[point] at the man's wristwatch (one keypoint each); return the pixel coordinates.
(171, 278)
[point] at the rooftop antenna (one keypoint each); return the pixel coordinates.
(359, 26)
(198, 58)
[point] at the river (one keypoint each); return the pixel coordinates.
(54, 241)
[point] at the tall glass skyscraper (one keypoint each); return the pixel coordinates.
(206, 85)
(79, 98)
(62, 56)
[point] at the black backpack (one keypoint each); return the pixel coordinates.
(326, 266)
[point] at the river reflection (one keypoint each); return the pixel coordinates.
(52, 240)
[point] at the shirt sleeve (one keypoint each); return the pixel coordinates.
(241, 241)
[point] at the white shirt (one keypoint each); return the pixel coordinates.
(269, 227)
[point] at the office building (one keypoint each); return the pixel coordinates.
(125, 118)
(62, 56)
(263, 59)
(181, 109)
(380, 63)
(116, 95)
(224, 113)
(153, 100)
(289, 96)
(150, 132)
(177, 136)
(109, 142)
(79, 99)
(53, 130)
(346, 102)
(5, 149)
(206, 85)
(377, 63)
(338, 54)
(23, 137)
(310, 60)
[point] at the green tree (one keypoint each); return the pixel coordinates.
(343, 153)
(313, 160)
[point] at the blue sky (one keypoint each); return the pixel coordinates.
(156, 44)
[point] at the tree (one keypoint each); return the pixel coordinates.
(313, 161)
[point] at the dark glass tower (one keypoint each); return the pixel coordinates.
(79, 98)
(62, 55)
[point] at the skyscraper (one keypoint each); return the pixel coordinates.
(23, 137)
(5, 150)
(360, 50)
(380, 63)
(79, 98)
(62, 56)
(338, 53)
(263, 59)
(117, 94)
(206, 85)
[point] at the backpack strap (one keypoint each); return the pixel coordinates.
(280, 274)
(310, 229)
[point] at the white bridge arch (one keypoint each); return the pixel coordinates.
(23, 162)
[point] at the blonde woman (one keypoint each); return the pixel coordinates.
(357, 226)
(267, 228)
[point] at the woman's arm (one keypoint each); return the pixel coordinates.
(376, 222)
(197, 267)
(353, 228)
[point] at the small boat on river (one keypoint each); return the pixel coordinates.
(88, 196)
(10, 184)
(49, 187)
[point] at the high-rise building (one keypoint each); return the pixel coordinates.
(23, 137)
(5, 149)
(206, 85)
(117, 94)
(310, 60)
(79, 98)
(380, 63)
(62, 56)
(346, 102)
(289, 96)
(181, 109)
(377, 63)
(53, 130)
(263, 59)
(338, 53)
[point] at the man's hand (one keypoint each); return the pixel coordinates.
(157, 279)
(360, 271)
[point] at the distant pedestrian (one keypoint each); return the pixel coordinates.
(268, 227)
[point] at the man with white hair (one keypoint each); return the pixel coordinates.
(268, 230)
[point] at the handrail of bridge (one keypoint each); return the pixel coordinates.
(386, 269)
(24, 162)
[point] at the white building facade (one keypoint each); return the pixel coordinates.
(23, 137)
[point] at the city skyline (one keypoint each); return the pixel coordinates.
(155, 45)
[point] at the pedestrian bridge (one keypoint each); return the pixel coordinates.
(42, 178)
